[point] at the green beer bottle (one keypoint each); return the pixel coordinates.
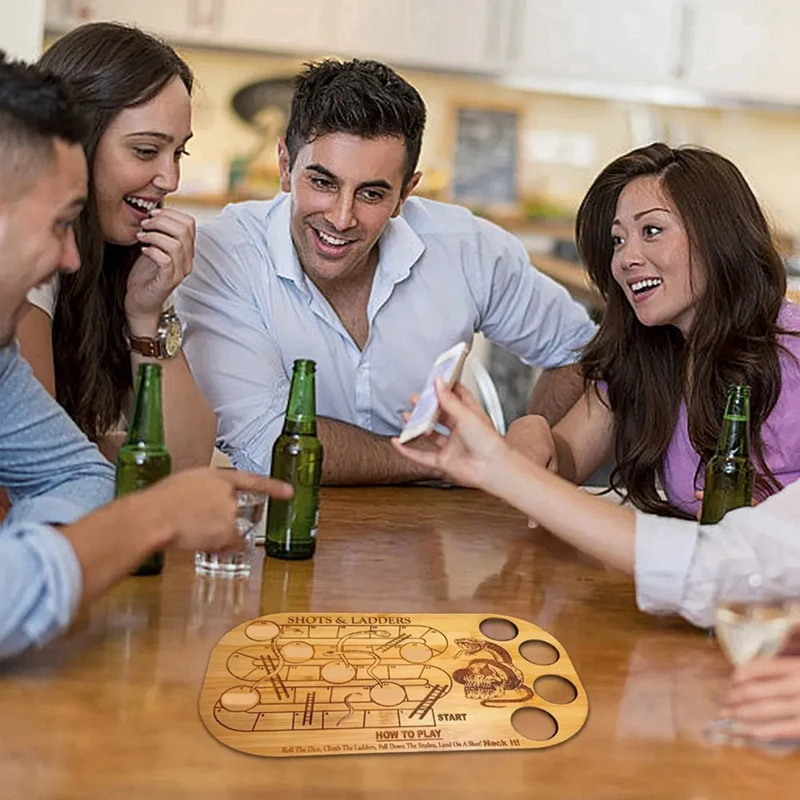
(729, 473)
(297, 459)
(144, 459)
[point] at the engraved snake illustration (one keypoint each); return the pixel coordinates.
(271, 671)
(350, 709)
(376, 659)
(340, 655)
(488, 679)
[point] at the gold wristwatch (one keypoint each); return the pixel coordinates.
(167, 341)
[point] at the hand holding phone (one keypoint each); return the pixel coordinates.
(423, 418)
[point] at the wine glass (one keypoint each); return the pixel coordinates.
(755, 614)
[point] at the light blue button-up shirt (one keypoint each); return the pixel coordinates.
(442, 275)
(53, 475)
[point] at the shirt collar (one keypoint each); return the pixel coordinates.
(279, 236)
(400, 247)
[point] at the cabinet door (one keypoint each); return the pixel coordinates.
(61, 15)
(168, 19)
(634, 42)
(746, 49)
(281, 26)
(469, 35)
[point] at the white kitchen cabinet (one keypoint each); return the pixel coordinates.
(745, 49)
(21, 31)
(469, 35)
(465, 35)
(620, 42)
(278, 26)
(170, 19)
(698, 50)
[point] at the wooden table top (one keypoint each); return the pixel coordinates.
(111, 711)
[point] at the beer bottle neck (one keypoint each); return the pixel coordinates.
(147, 422)
(734, 438)
(301, 412)
(300, 428)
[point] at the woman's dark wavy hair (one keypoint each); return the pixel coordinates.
(734, 335)
(108, 68)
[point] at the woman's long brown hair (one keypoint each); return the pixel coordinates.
(109, 67)
(734, 336)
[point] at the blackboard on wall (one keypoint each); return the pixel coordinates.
(485, 169)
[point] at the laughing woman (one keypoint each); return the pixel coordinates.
(86, 334)
(680, 249)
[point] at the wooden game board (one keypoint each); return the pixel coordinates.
(337, 684)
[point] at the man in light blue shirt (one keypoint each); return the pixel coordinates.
(348, 270)
(53, 475)
(50, 560)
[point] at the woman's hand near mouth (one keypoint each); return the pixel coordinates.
(167, 239)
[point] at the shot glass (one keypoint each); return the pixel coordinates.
(236, 562)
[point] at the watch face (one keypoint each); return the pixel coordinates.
(174, 337)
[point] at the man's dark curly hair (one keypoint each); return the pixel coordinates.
(35, 109)
(364, 98)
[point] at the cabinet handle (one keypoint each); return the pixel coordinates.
(516, 25)
(206, 14)
(685, 40)
(502, 39)
(77, 12)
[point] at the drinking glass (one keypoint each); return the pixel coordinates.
(754, 617)
(239, 561)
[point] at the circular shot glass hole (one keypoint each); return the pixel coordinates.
(498, 629)
(534, 724)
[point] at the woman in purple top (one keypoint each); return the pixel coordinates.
(780, 431)
(694, 288)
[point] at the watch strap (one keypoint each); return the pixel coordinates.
(147, 346)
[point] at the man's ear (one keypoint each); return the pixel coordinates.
(283, 165)
(407, 189)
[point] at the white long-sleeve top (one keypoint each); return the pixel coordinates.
(681, 565)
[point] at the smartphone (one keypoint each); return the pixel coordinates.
(448, 367)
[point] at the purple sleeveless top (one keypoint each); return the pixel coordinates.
(780, 434)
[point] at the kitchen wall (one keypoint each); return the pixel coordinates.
(220, 135)
(564, 141)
